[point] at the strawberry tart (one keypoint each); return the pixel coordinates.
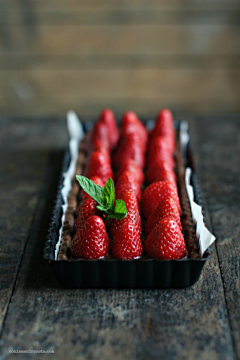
(128, 198)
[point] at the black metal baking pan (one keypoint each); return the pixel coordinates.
(113, 273)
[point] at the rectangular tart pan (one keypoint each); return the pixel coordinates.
(114, 273)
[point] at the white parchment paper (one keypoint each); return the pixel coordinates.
(76, 134)
(205, 237)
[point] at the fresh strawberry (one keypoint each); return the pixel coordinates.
(155, 193)
(164, 127)
(98, 181)
(131, 124)
(91, 241)
(100, 146)
(156, 173)
(107, 117)
(98, 165)
(99, 132)
(166, 241)
(159, 149)
(133, 215)
(166, 208)
(87, 208)
(130, 147)
(155, 169)
(159, 142)
(127, 243)
(130, 165)
(127, 181)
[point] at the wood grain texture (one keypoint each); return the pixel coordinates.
(21, 172)
(133, 324)
(121, 39)
(79, 45)
(219, 174)
(119, 4)
(119, 16)
(145, 90)
(16, 61)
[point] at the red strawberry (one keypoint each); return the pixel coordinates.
(155, 193)
(99, 132)
(87, 208)
(159, 142)
(98, 181)
(131, 124)
(98, 165)
(164, 126)
(156, 173)
(155, 169)
(166, 208)
(166, 241)
(127, 243)
(133, 215)
(107, 117)
(91, 240)
(130, 165)
(130, 147)
(100, 146)
(159, 149)
(126, 182)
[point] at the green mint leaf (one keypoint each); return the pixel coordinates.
(102, 208)
(108, 194)
(116, 216)
(120, 210)
(95, 191)
(120, 207)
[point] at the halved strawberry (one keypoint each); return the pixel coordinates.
(127, 243)
(91, 241)
(166, 241)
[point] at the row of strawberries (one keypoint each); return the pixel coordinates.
(160, 203)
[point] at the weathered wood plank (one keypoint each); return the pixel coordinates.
(219, 173)
(125, 16)
(22, 172)
(43, 91)
(119, 4)
(121, 39)
(130, 324)
(19, 61)
(88, 108)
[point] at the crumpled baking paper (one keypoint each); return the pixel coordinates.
(205, 237)
(76, 134)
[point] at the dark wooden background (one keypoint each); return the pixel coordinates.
(143, 55)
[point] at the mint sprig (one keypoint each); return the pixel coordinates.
(105, 197)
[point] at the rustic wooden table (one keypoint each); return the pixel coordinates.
(36, 313)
